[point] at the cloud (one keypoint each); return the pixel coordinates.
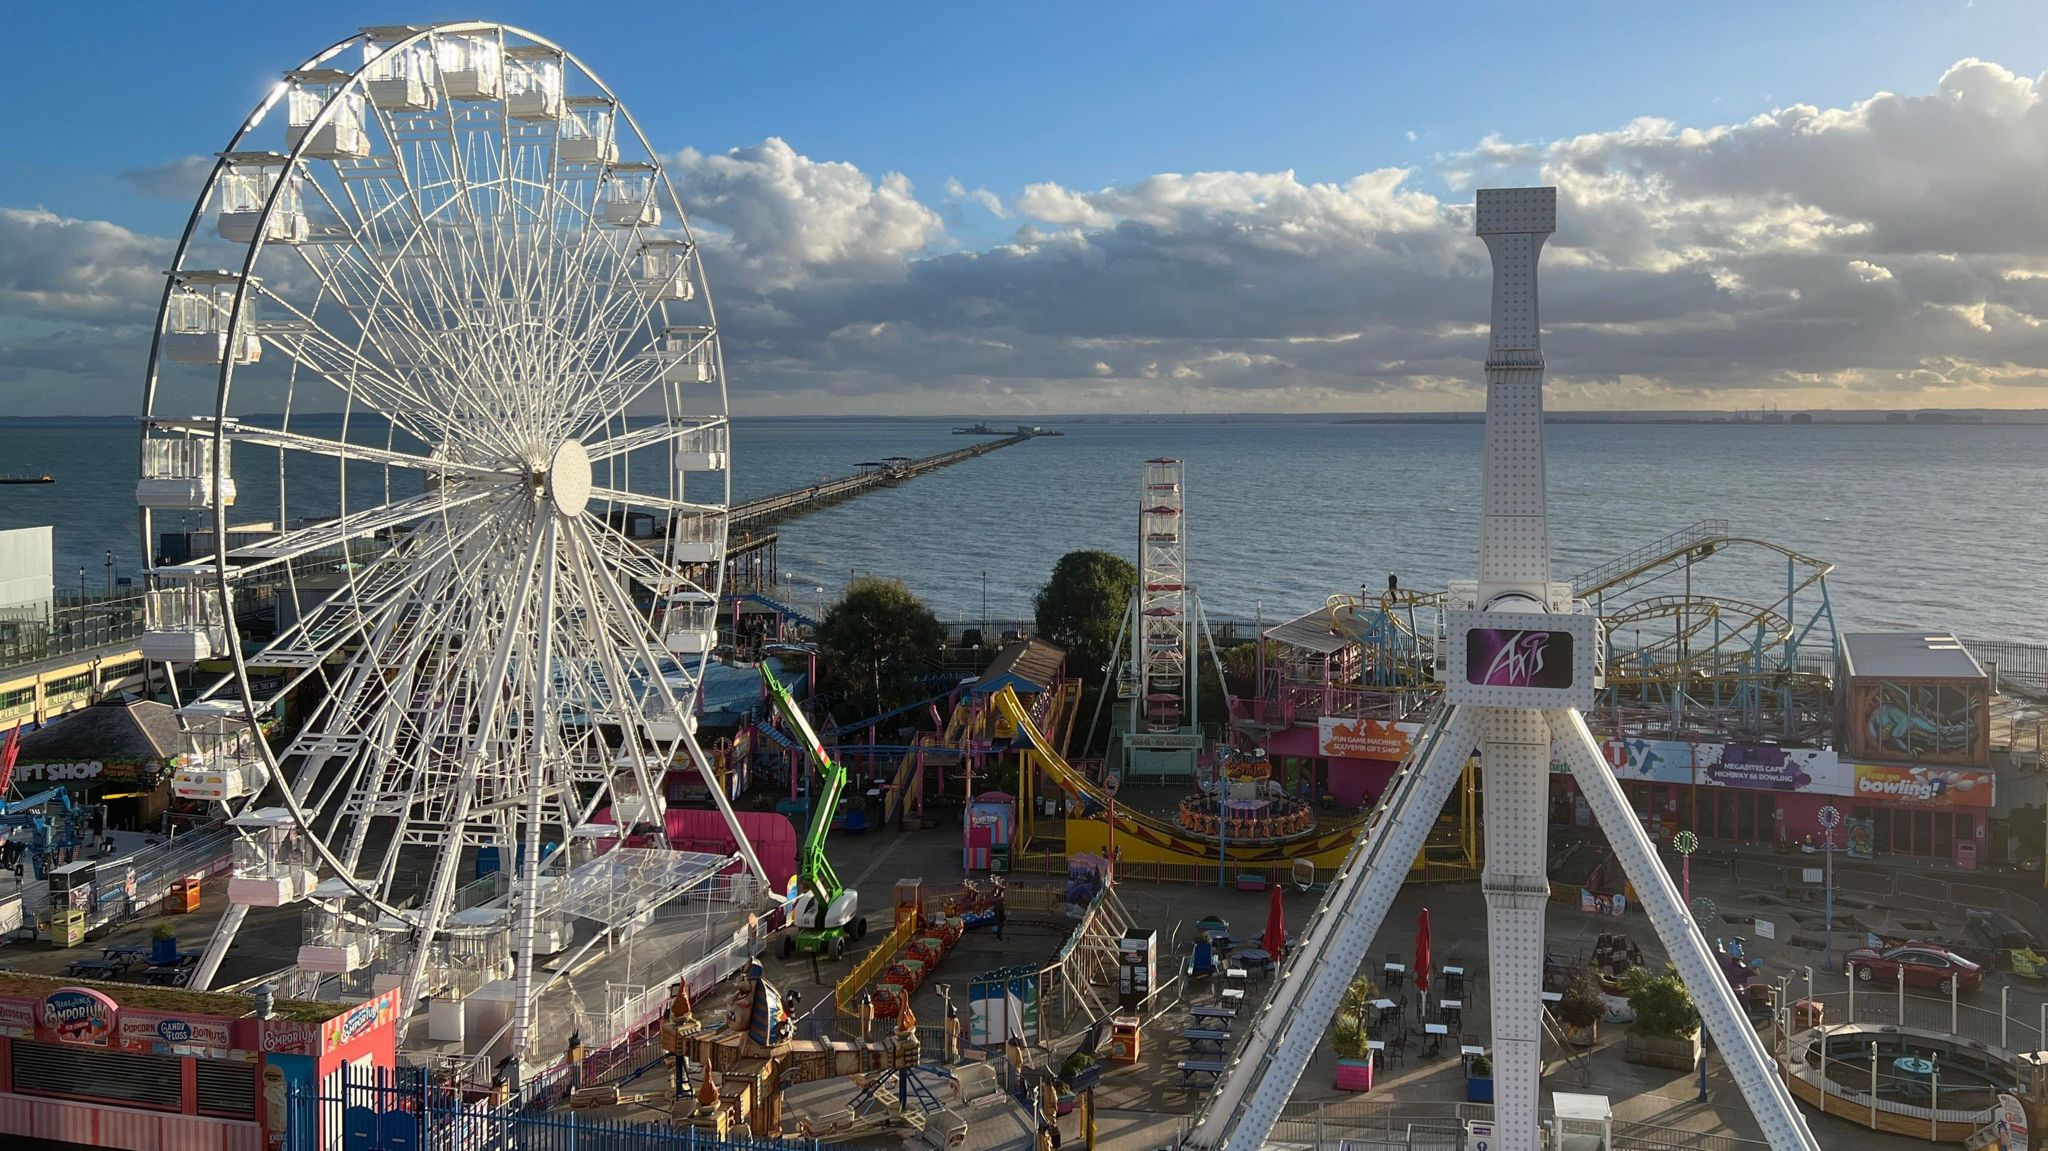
(781, 215)
(176, 180)
(1889, 253)
(989, 202)
(65, 271)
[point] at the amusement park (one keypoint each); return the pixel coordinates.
(468, 779)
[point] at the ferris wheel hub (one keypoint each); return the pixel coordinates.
(569, 478)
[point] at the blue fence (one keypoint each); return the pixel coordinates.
(405, 1113)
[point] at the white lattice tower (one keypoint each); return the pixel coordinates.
(1162, 636)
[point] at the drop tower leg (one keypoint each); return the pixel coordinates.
(1748, 1062)
(1515, 749)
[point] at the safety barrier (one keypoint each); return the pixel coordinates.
(846, 993)
(406, 1111)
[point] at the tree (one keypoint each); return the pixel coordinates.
(876, 642)
(1081, 608)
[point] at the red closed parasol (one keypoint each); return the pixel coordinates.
(1422, 951)
(1276, 926)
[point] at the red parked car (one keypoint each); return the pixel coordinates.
(1925, 966)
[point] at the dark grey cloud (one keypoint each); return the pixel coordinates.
(176, 180)
(1890, 253)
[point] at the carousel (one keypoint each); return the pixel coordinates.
(1242, 802)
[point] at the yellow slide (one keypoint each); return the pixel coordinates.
(899, 791)
(1146, 839)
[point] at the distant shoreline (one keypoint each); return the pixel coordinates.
(1922, 417)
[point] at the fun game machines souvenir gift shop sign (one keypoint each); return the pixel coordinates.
(113, 1065)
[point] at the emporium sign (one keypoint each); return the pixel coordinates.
(77, 1015)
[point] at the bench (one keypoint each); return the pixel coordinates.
(1189, 1068)
(85, 967)
(1196, 1036)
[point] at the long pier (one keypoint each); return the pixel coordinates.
(797, 501)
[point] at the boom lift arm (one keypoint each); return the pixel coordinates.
(826, 913)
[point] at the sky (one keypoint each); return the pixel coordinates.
(1191, 207)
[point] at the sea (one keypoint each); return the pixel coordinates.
(1926, 526)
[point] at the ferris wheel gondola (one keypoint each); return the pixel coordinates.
(443, 338)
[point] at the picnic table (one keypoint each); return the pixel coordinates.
(131, 954)
(1233, 996)
(1189, 1068)
(1213, 1036)
(1435, 1045)
(1237, 973)
(92, 967)
(1256, 958)
(163, 976)
(1208, 1014)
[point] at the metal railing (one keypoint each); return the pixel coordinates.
(69, 626)
(2022, 667)
(1684, 539)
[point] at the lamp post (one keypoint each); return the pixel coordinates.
(110, 575)
(1830, 818)
(1685, 843)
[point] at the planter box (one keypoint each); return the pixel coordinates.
(1582, 1036)
(1680, 1054)
(1083, 1079)
(1479, 1090)
(1354, 1074)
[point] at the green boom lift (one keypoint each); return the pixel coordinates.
(825, 913)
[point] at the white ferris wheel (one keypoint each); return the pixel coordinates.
(436, 391)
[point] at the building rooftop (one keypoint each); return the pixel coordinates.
(1907, 655)
(1312, 632)
(122, 729)
(1029, 666)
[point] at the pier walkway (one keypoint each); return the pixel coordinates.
(797, 501)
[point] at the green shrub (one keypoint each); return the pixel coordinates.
(1663, 1007)
(1352, 1027)
(1582, 1004)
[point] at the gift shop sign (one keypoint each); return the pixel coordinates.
(1385, 740)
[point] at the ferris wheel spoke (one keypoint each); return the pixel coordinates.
(343, 367)
(298, 543)
(387, 320)
(626, 556)
(260, 436)
(633, 439)
(630, 706)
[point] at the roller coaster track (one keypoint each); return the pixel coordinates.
(1692, 543)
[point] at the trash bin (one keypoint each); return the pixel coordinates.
(67, 927)
(184, 897)
(999, 858)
